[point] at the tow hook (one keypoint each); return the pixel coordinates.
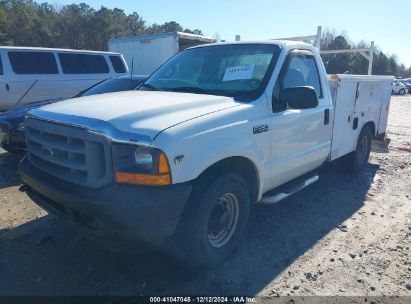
(24, 188)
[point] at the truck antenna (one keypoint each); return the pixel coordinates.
(132, 68)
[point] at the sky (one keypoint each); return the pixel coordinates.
(387, 23)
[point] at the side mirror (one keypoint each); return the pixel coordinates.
(299, 97)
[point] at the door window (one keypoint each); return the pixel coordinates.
(118, 64)
(1, 67)
(83, 64)
(28, 63)
(302, 71)
(299, 69)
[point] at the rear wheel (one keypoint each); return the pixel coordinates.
(213, 222)
(402, 92)
(359, 158)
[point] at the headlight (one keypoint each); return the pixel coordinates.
(140, 165)
(143, 160)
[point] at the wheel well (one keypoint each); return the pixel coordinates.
(372, 126)
(237, 164)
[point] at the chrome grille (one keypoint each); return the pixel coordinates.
(68, 152)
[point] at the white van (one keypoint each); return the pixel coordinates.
(34, 74)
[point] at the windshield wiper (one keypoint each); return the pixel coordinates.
(149, 86)
(195, 90)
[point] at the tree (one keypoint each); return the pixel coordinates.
(195, 32)
(135, 24)
(171, 26)
(76, 26)
(20, 21)
(359, 65)
(354, 63)
(45, 23)
(337, 63)
(3, 25)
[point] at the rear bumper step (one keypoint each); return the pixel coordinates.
(289, 189)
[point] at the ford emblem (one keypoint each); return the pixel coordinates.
(47, 152)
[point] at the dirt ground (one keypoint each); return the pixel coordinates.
(346, 235)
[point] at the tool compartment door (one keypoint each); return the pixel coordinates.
(385, 108)
(372, 104)
(368, 104)
(343, 140)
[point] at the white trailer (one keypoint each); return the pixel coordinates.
(144, 54)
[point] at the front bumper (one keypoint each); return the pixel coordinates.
(116, 213)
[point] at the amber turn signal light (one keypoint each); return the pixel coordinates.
(143, 179)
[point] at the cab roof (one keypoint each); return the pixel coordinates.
(286, 44)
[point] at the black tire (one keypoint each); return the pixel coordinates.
(358, 159)
(196, 240)
(402, 91)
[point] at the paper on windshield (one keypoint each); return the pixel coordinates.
(239, 72)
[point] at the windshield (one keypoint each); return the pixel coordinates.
(236, 70)
(112, 85)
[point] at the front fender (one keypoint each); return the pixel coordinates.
(198, 148)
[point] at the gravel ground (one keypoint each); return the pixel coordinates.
(346, 235)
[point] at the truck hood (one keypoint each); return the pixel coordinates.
(142, 112)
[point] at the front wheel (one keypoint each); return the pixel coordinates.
(359, 158)
(402, 92)
(213, 222)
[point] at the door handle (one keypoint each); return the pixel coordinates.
(326, 116)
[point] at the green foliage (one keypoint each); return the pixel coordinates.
(354, 63)
(3, 25)
(337, 63)
(74, 26)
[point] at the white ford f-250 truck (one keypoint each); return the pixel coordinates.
(177, 163)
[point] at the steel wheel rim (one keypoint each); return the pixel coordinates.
(362, 148)
(223, 220)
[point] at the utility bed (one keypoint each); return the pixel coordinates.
(357, 98)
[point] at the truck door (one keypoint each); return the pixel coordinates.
(300, 138)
